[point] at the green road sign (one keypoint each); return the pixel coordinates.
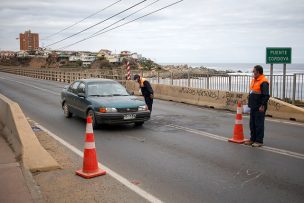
(278, 55)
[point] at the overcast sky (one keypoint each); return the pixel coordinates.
(193, 31)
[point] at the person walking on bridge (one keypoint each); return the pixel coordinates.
(257, 101)
(146, 90)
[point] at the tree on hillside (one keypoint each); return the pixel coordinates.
(101, 63)
(148, 64)
(132, 62)
(79, 62)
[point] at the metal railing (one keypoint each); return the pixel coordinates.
(294, 84)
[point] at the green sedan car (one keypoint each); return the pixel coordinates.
(106, 101)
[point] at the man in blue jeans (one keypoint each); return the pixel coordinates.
(257, 101)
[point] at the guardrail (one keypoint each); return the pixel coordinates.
(64, 75)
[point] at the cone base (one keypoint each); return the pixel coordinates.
(99, 172)
(236, 141)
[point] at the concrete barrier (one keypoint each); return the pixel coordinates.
(16, 129)
(219, 100)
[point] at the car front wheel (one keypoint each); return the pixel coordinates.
(66, 110)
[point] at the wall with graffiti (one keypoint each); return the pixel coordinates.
(219, 100)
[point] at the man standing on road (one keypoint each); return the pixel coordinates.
(146, 90)
(257, 101)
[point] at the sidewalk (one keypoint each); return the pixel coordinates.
(13, 187)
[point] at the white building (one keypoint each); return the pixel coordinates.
(113, 58)
(87, 59)
(136, 56)
(104, 53)
(7, 54)
(22, 54)
(74, 58)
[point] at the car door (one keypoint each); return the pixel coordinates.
(71, 97)
(81, 102)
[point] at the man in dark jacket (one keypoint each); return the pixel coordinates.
(257, 101)
(146, 90)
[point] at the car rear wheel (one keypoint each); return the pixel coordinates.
(139, 123)
(66, 110)
(92, 114)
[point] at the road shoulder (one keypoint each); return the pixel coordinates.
(62, 185)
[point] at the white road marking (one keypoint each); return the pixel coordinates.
(149, 197)
(275, 120)
(285, 122)
(217, 137)
(283, 152)
(42, 89)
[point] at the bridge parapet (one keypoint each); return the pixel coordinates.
(17, 131)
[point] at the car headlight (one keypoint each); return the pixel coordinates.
(142, 108)
(107, 110)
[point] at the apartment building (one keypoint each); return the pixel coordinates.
(29, 41)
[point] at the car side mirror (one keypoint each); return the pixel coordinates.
(81, 94)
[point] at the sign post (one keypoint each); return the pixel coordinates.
(278, 55)
(271, 79)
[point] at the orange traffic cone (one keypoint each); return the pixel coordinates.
(90, 165)
(238, 136)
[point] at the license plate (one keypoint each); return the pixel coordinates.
(129, 116)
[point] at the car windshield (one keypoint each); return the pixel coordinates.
(106, 89)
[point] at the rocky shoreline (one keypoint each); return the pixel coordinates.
(196, 70)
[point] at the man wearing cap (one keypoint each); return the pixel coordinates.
(146, 90)
(257, 101)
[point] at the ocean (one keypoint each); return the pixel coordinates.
(247, 67)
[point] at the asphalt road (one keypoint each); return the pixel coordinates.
(181, 154)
